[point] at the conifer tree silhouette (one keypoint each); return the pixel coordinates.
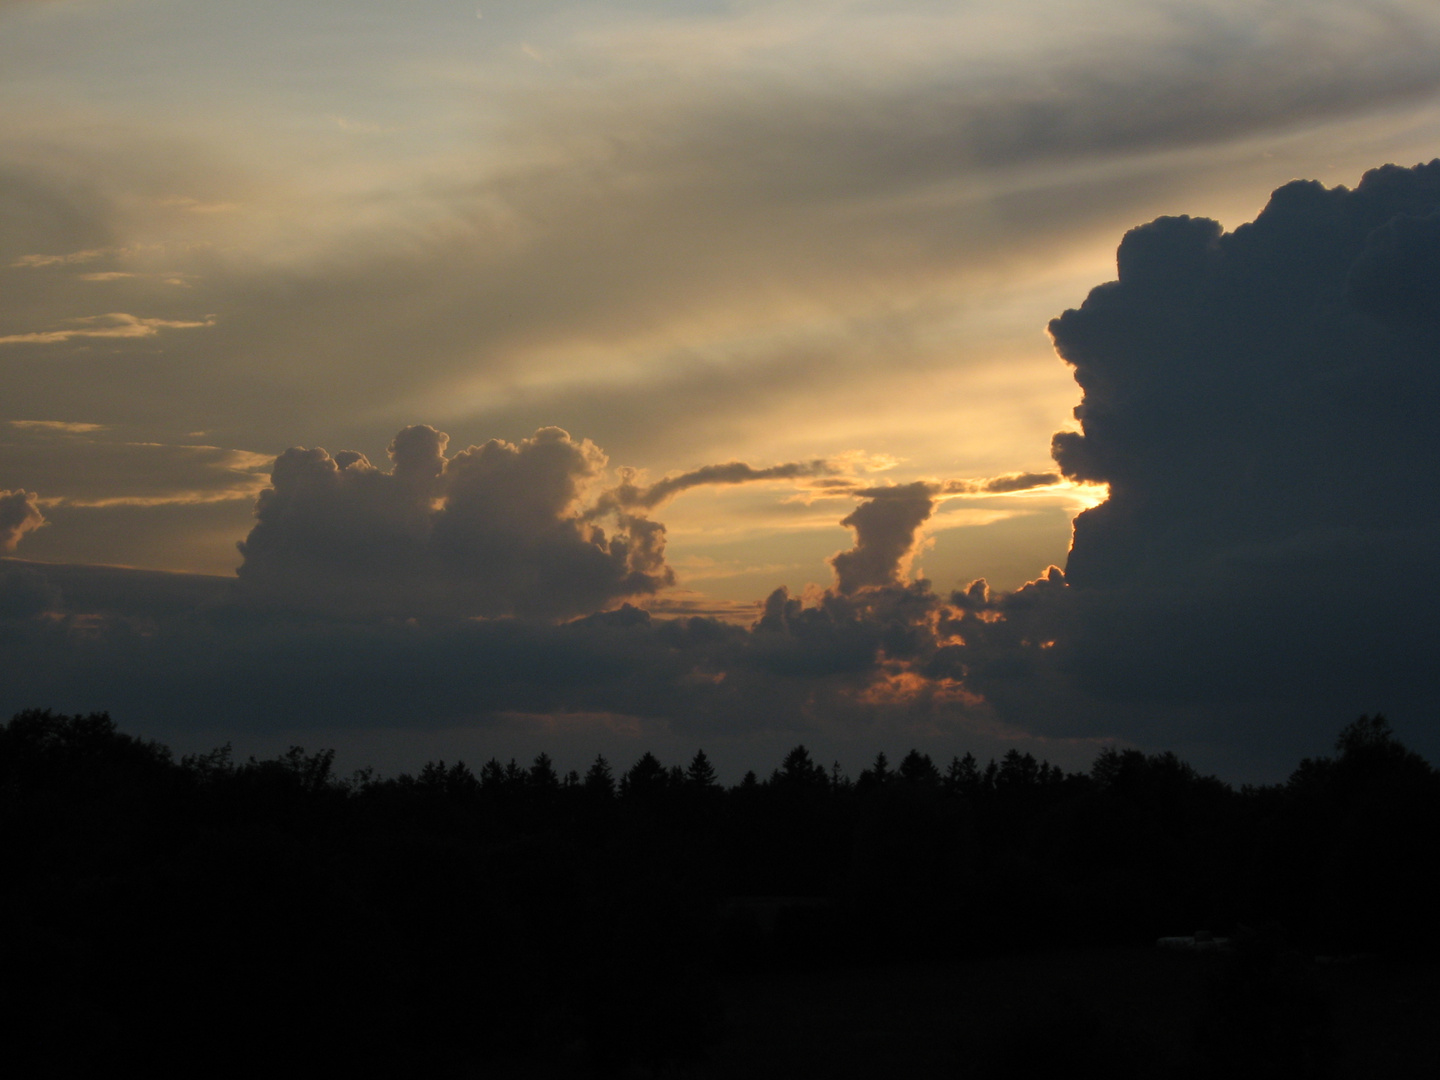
(700, 774)
(542, 773)
(917, 768)
(599, 780)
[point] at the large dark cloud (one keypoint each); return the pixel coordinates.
(1256, 387)
(498, 529)
(1262, 405)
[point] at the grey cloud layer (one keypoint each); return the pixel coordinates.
(195, 658)
(848, 122)
(730, 188)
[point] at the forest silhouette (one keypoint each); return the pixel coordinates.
(232, 915)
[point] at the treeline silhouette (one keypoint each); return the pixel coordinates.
(209, 912)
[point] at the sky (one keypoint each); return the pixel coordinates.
(433, 379)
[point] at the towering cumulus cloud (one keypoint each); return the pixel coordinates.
(885, 526)
(1262, 404)
(498, 529)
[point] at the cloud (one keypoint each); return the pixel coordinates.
(888, 522)
(68, 259)
(181, 657)
(79, 464)
(725, 202)
(73, 426)
(26, 593)
(19, 514)
(309, 633)
(1261, 404)
(680, 229)
(1008, 484)
(108, 275)
(885, 526)
(114, 325)
(731, 472)
(1396, 278)
(930, 94)
(116, 596)
(1242, 382)
(497, 529)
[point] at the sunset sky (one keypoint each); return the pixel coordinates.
(799, 259)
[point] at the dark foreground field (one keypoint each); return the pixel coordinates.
(1122, 1012)
(1116, 1012)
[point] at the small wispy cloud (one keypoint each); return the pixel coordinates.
(192, 205)
(726, 474)
(814, 478)
(244, 491)
(837, 487)
(68, 259)
(116, 324)
(245, 474)
(1008, 484)
(72, 427)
